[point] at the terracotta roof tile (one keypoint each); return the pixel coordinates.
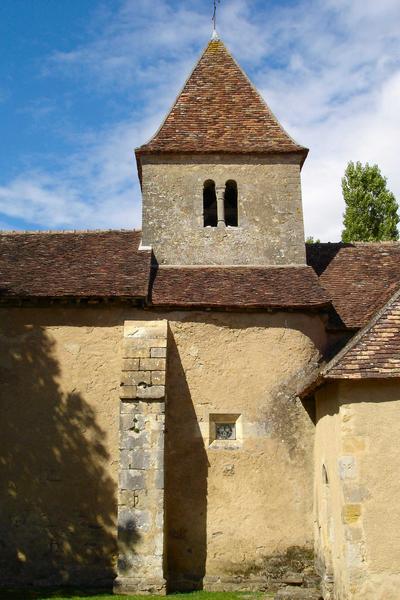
(237, 287)
(219, 110)
(375, 351)
(95, 263)
(359, 277)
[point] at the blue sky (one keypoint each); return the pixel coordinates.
(83, 82)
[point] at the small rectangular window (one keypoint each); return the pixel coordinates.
(225, 430)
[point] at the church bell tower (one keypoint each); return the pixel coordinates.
(221, 177)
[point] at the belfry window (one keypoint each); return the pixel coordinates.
(210, 215)
(231, 203)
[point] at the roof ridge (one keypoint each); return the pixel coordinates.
(376, 243)
(352, 244)
(64, 231)
(246, 266)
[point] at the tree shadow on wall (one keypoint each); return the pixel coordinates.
(186, 467)
(58, 517)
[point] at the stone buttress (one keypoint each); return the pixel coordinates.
(141, 469)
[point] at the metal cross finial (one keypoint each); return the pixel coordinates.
(214, 20)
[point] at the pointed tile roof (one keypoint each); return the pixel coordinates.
(375, 351)
(219, 110)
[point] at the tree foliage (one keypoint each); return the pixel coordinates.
(371, 209)
(311, 240)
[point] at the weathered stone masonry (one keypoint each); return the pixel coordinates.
(141, 475)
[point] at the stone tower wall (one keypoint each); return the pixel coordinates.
(270, 230)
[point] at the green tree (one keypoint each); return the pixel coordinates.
(371, 209)
(310, 240)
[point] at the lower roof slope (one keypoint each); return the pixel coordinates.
(109, 264)
(237, 287)
(78, 264)
(359, 277)
(375, 351)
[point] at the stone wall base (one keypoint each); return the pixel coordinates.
(132, 585)
(236, 584)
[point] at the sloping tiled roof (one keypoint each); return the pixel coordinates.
(237, 287)
(375, 351)
(78, 264)
(219, 110)
(359, 277)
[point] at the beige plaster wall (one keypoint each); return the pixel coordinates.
(270, 230)
(59, 374)
(228, 509)
(356, 438)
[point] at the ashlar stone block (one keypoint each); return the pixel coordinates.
(129, 422)
(139, 460)
(130, 364)
(132, 350)
(127, 391)
(145, 329)
(152, 364)
(139, 520)
(158, 377)
(347, 467)
(132, 442)
(151, 391)
(131, 480)
(136, 378)
(146, 343)
(157, 407)
(158, 352)
(351, 513)
(126, 406)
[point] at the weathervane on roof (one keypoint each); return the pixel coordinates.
(214, 20)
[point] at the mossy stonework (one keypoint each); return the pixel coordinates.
(270, 220)
(227, 507)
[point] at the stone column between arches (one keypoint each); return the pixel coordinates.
(141, 469)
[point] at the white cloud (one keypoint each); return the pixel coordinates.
(337, 92)
(369, 137)
(330, 70)
(96, 188)
(142, 46)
